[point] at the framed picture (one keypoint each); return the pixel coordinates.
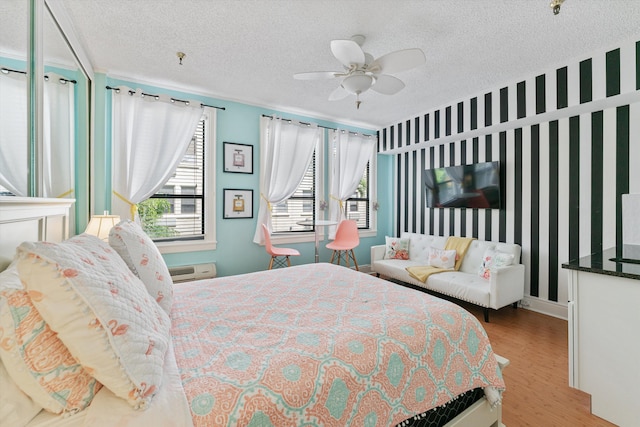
(238, 158)
(237, 203)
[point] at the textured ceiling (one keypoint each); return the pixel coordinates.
(248, 50)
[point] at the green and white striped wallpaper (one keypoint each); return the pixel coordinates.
(568, 141)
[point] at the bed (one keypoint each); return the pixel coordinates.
(309, 345)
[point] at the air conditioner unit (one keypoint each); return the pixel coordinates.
(185, 273)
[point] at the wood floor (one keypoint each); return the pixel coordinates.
(537, 378)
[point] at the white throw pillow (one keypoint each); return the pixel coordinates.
(493, 259)
(396, 248)
(101, 311)
(144, 259)
(442, 258)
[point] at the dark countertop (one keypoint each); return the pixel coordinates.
(602, 263)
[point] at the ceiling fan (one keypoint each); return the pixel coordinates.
(362, 72)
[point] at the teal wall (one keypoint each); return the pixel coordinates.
(240, 123)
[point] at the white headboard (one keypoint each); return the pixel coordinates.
(31, 219)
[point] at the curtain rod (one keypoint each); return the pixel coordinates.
(320, 126)
(6, 70)
(62, 80)
(131, 92)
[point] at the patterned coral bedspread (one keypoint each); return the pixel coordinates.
(322, 345)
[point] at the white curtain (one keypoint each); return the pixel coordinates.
(150, 136)
(349, 156)
(58, 151)
(14, 142)
(286, 148)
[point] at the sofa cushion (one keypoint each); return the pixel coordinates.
(396, 248)
(396, 268)
(419, 245)
(463, 286)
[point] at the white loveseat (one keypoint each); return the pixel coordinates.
(505, 285)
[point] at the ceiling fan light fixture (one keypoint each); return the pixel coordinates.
(357, 83)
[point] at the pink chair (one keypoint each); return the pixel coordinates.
(277, 253)
(346, 239)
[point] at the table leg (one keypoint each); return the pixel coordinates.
(317, 243)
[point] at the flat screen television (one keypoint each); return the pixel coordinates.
(464, 186)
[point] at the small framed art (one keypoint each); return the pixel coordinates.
(238, 158)
(237, 203)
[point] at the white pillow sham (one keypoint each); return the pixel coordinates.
(101, 312)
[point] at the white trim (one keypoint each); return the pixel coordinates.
(186, 246)
(550, 308)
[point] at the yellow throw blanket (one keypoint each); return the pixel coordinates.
(460, 244)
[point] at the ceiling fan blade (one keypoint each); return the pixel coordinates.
(387, 85)
(316, 75)
(338, 93)
(400, 60)
(347, 52)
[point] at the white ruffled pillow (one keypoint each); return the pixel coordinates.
(493, 259)
(101, 312)
(144, 259)
(442, 258)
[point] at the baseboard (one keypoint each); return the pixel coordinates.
(550, 308)
(366, 268)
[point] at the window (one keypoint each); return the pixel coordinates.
(299, 207)
(357, 206)
(304, 204)
(176, 216)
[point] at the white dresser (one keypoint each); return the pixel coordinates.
(604, 335)
(33, 219)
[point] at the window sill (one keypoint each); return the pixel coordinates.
(190, 246)
(311, 237)
(368, 233)
(302, 237)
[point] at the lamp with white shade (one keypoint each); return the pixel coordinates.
(100, 225)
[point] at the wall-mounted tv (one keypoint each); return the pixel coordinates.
(464, 186)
